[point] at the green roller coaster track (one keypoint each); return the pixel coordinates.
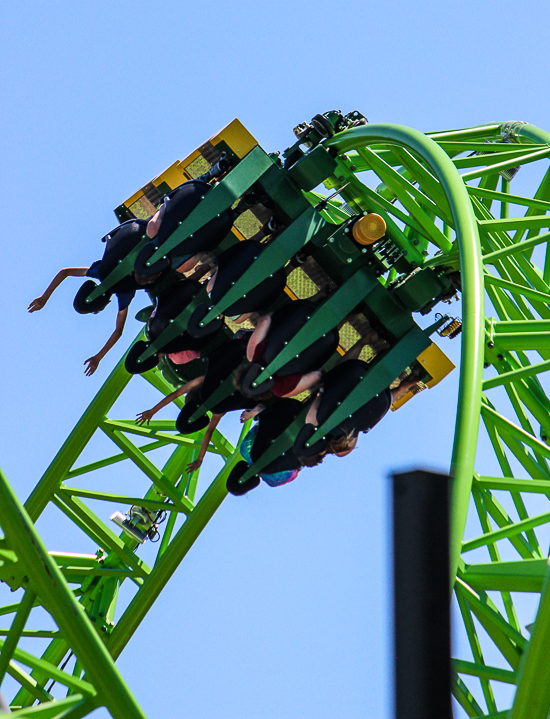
(447, 202)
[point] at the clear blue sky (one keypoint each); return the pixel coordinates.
(282, 609)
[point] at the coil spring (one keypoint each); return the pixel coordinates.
(418, 387)
(452, 327)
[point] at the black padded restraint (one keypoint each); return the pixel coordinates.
(231, 265)
(171, 301)
(337, 385)
(118, 243)
(272, 422)
(221, 363)
(234, 486)
(285, 323)
(179, 204)
(131, 362)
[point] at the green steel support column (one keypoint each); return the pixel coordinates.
(48, 583)
(532, 699)
(173, 555)
(471, 366)
(77, 440)
(16, 630)
(533, 693)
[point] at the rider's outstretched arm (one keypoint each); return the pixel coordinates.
(93, 362)
(214, 421)
(39, 302)
(143, 417)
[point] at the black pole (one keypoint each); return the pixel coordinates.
(422, 595)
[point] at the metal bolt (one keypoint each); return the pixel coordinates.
(490, 345)
(349, 260)
(500, 357)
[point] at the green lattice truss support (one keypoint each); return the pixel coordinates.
(462, 197)
(80, 590)
(454, 186)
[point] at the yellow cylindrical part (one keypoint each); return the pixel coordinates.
(368, 229)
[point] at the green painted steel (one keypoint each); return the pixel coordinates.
(46, 583)
(96, 578)
(456, 216)
(472, 303)
(501, 263)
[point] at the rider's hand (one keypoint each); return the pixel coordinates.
(193, 466)
(144, 417)
(37, 304)
(92, 364)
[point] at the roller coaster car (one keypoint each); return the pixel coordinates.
(335, 245)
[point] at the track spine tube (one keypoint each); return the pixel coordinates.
(472, 349)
